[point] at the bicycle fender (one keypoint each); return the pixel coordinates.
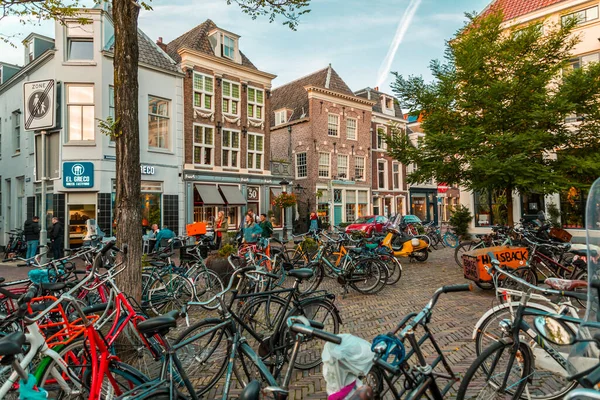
(499, 307)
(335, 308)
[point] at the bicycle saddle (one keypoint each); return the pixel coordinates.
(565, 284)
(11, 344)
(251, 391)
(583, 252)
(53, 287)
(159, 325)
(301, 273)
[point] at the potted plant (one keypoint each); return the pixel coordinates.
(218, 261)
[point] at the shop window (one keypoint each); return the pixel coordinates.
(572, 208)
(363, 203)
(78, 216)
(350, 205)
(323, 213)
(483, 202)
(275, 214)
(419, 206)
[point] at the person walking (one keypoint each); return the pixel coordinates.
(221, 227)
(266, 226)
(31, 230)
(314, 222)
(252, 230)
(57, 235)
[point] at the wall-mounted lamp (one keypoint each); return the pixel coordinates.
(244, 131)
(244, 86)
(219, 126)
(268, 94)
(219, 81)
(189, 72)
(334, 147)
(352, 149)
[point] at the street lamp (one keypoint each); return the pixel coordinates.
(284, 183)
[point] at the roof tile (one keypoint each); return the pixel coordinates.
(516, 8)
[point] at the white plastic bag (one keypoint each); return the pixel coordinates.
(343, 363)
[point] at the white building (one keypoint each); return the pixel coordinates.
(80, 60)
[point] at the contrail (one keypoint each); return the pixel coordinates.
(405, 22)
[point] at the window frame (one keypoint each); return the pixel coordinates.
(385, 173)
(81, 105)
(363, 167)
(79, 36)
(377, 128)
(255, 152)
(16, 130)
(230, 149)
(563, 18)
(348, 119)
(168, 118)
(281, 116)
(203, 92)
(203, 145)
(346, 166)
(330, 124)
(298, 165)
(255, 103)
(320, 165)
(396, 174)
(232, 47)
(230, 98)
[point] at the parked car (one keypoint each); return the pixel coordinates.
(368, 224)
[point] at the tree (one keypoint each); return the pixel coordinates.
(125, 127)
(495, 115)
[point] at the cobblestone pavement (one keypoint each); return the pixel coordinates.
(367, 316)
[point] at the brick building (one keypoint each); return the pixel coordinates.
(324, 129)
(390, 191)
(226, 113)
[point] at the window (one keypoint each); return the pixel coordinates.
(483, 205)
(572, 208)
(0, 138)
(111, 102)
(396, 175)
(80, 41)
(342, 166)
(280, 117)
(350, 205)
(324, 159)
(228, 47)
(231, 98)
(255, 103)
(158, 123)
(381, 143)
(275, 214)
(363, 203)
(359, 168)
(381, 173)
(231, 149)
(333, 125)
(16, 115)
(80, 112)
(589, 14)
(203, 91)
(389, 103)
(351, 128)
(31, 52)
(255, 151)
(301, 166)
(580, 62)
(204, 145)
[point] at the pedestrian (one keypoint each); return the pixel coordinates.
(31, 230)
(57, 235)
(221, 227)
(252, 230)
(254, 216)
(166, 234)
(266, 226)
(314, 222)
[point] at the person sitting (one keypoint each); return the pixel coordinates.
(166, 234)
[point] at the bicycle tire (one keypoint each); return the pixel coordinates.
(368, 269)
(311, 284)
(207, 284)
(541, 381)
(451, 240)
(463, 247)
(170, 292)
(198, 359)
(477, 378)
(394, 268)
(581, 275)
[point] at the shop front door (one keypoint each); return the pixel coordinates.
(337, 215)
(78, 215)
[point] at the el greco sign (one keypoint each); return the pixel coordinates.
(474, 262)
(39, 104)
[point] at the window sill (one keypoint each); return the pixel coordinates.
(17, 153)
(231, 115)
(204, 109)
(299, 178)
(90, 143)
(256, 171)
(354, 140)
(80, 63)
(231, 169)
(203, 166)
(159, 150)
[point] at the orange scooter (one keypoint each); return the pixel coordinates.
(402, 245)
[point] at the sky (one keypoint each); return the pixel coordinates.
(364, 40)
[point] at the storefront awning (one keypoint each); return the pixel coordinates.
(233, 196)
(276, 191)
(210, 195)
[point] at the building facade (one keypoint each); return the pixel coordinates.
(227, 114)
(324, 129)
(517, 13)
(389, 188)
(80, 61)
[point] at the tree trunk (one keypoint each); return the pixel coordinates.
(509, 206)
(128, 196)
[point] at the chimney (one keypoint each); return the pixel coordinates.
(162, 45)
(377, 88)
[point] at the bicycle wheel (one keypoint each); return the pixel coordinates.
(367, 275)
(525, 273)
(463, 247)
(204, 358)
(311, 284)
(500, 372)
(451, 240)
(316, 309)
(548, 379)
(169, 292)
(394, 268)
(581, 275)
(207, 285)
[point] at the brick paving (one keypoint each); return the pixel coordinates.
(367, 316)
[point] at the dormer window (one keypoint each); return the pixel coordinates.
(389, 104)
(31, 53)
(80, 42)
(280, 117)
(228, 47)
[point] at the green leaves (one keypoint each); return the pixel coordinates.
(290, 10)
